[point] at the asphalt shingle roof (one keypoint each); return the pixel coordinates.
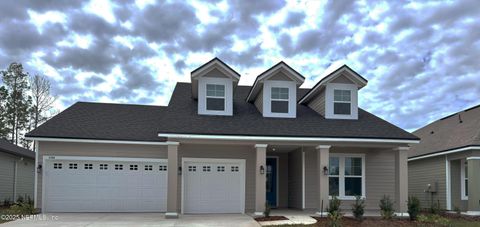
(6, 146)
(460, 129)
(143, 123)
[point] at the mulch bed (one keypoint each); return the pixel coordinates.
(461, 217)
(367, 221)
(271, 218)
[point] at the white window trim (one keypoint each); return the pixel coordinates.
(202, 95)
(267, 98)
(463, 178)
(341, 176)
(329, 96)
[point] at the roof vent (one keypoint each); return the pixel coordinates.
(432, 132)
(460, 118)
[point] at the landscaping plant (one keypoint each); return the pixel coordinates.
(435, 207)
(434, 219)
(358, 207)
(266, 213)
(413, 205)
(334, 205)
(334, 214)
(386, 207)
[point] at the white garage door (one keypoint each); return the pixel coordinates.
(213, 185)
(110, 185)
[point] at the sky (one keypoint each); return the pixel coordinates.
(421, 58)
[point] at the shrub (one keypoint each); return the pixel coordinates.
(335, 218)
(435, 207)
(7, 202)
(358, 208)
(334, 205)
(21, 209)
(20, 199)
(266, 213)
(434, 219)
(413, 205)
(386, 207)
(457, 210)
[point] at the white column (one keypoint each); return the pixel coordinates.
(172, 168)
(401, 180)
(323, 155)
(260, 178)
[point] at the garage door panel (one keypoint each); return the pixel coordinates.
(105, 186)
(213, 186)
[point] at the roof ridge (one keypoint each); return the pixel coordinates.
(119, 104)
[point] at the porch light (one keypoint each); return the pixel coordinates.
(262, 170)
(39, 168)
(179, 170)
(325, 170)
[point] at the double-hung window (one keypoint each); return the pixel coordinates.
(215, 98)
(342, 101)
(279, 100)
(347, 176)
(464, 178)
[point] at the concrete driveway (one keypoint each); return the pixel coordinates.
(132, 219)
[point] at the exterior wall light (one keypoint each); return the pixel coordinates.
(179, 170)
(39, 168)
(325, 170)
(262, 170)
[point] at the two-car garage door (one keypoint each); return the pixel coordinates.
(108, 185)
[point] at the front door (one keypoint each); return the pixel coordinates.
(272, 181)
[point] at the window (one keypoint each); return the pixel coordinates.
(220, 168)
(57, 165)
(118, 167)
(234, 169)
(215, 97)
(279, 99)
(148, 167)
(162, 168)
(103, 166)
(133, 167)
(464, 177)
(346, 176)
(206, 168)
(342, 101)
(192, 169)
(88, 166)
(72, 166)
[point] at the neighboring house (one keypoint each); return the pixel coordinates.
(444, 168)
(17, 172)
(223, 148)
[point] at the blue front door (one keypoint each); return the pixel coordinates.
(272, 182)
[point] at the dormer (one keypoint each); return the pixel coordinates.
(212, 85)
(274, 92)
(336, 95)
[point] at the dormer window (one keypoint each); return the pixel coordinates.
(215, 97)
(342, 102)
(279, 100)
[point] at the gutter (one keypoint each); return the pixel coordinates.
(455, 150)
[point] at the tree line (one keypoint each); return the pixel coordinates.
(26, 101)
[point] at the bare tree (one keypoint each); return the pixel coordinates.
(42, 100)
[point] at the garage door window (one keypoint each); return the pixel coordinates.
(192, 168)
(103, 166)
(234, 169)
(57, 165)
(220, 168)
(148, 167)
(88, 166)
(162, 168)
(118, 167)
(206, 168)
(72, 166)
(133, 167)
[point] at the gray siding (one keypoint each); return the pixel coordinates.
(259, 101)
(427, 171)
(216, 73)
(95, 150)
(455, 181)
(379, 176)
(342, 79)
(318, 103)
(25, 177)
(280, 76)
(295, 183)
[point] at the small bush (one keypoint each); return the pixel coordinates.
(358, 208)
(7, 202)
(386, 207)
(21, 209)
(434, 219)
(334, 205)
(335, 218)
(413, 205)
(435, 207)
(266, 213)
(20, 199)
(457, 210)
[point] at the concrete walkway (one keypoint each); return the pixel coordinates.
(132, 219)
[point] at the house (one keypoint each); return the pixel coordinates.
(223, 148)
(17, 172)
(444, 169)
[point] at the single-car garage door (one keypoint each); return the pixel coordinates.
(213, 185)
(82, 184)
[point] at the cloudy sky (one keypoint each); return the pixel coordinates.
(422, 59)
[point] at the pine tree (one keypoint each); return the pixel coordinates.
(18, 101)
(3, 116)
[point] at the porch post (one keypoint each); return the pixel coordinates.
(260, 178)
(323, 156)
(473, 168)
(172, 167)
(401, 180)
